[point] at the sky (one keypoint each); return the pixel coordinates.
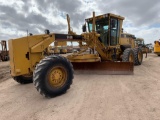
(142, 17)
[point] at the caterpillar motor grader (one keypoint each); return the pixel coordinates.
(130, 40)
(140, 43)
(52, 75)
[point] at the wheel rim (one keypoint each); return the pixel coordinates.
(139, 56)
(57, 77)
(131, 57)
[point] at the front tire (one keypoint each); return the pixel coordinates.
(138, 56)
(53, 76)
(128, 55)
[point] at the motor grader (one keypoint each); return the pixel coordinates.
(129, 40)
(140, 43)
(52, 75)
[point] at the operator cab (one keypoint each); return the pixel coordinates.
(108, 26)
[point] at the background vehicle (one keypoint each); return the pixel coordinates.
(128, 40)
(4, 54)
(157, 47)
(140, 43)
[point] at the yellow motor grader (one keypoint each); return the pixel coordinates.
(130, 40)
(139, 42)
(52, 75)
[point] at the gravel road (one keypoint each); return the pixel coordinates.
(91, 97)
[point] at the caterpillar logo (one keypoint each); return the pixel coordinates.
(69, 37)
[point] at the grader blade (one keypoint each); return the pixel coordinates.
(104, 68)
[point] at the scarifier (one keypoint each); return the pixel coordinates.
(52, 75)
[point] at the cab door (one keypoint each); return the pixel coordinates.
(114, 31)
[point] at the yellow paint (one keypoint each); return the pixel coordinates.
(157, 48)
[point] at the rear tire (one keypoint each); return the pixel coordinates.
(53, 76)
(23, 79)
(128, 55)
(138, 56)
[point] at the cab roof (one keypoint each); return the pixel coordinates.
(127, 33)
(140, 39)
(106, 15)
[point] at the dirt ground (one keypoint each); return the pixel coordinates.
(4, 71)
(91, 97)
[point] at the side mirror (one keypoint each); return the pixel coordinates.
(30, 34)
(122, 30)
(47, 32)
(84, 28)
